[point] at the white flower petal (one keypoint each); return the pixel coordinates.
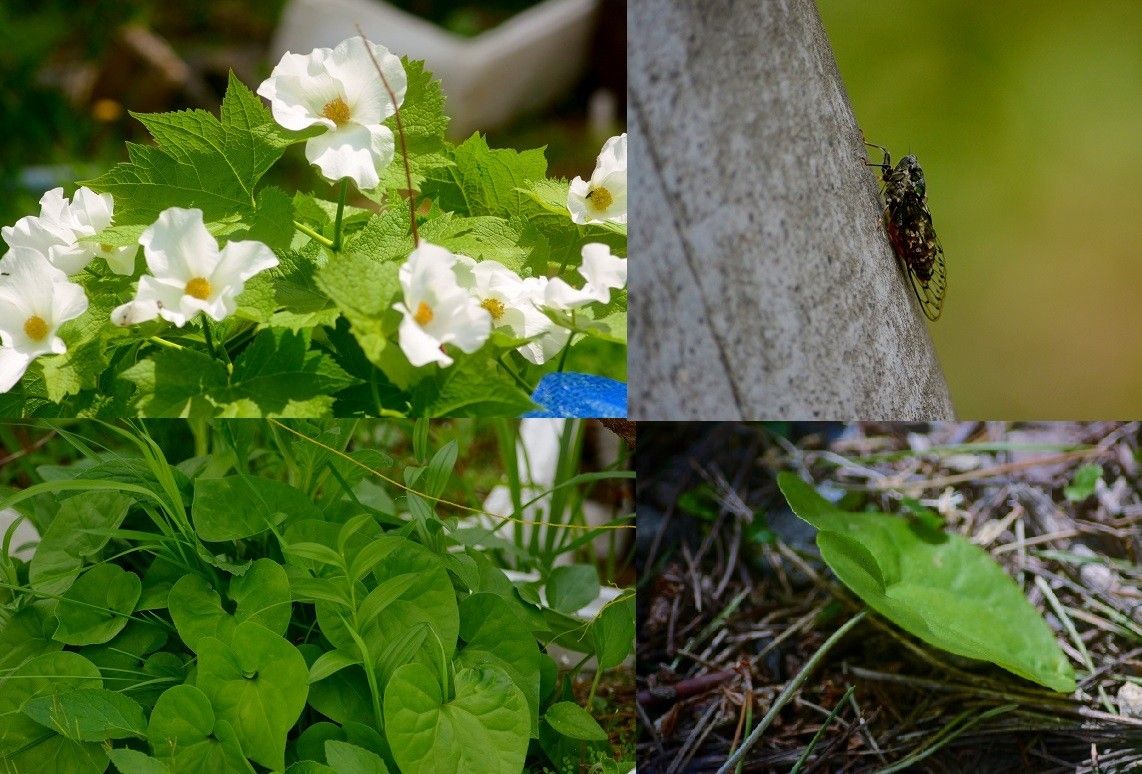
(241, 261)
(134, 312)
(559, 295)
(602, 270)
(91, 212)
(178, 245)
(418, 345)
(13, 364)
(346, 152)
(349, 64)
(165, 294)
(298, 89)
(120, 259)
(68, 302)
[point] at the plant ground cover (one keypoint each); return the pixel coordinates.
(308, 597)
(738, 618)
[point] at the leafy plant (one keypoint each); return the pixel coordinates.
(317, 333)
(266, 603)
(935, 585)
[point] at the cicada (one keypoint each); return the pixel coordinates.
(910, 230)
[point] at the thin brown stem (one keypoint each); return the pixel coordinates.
(400, 131)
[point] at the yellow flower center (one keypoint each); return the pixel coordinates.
(423, 314)
(494, 306)
(199, 288)
(336, 111)
(600, 199)
(106, 247)
(36, 328)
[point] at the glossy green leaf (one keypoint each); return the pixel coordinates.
(240, 506)
(96, 606)
(261, 595)
(343, 696)
(258, 683)
(574, 722)
(128, 761)
(484, 727)
(25, 745)
(935, 585)
(494, 635)
(26, 634)
(571, 587)
(185, 734)
(348, 758)
(67, 545)
(88, 714)
(613, 632)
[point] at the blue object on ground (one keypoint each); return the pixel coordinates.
(579, 395)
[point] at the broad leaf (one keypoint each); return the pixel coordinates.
(241, 506)
(67, 544)
(258, 684)
(261, 595)
(88, 714)
(185, 734)
(484, 727)
(936, 585)
(574, 722)
(97, 605)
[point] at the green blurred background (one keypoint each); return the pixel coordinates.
(1027, 119)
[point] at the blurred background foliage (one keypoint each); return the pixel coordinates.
(1027, 121)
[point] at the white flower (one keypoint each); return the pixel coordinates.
(437, 311)
(35, 299)
(604, 198)
(56, 232)
(602, 272)
(513, 303)
(339, 89)
(189, 274)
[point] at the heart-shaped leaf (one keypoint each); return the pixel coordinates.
(574, 722)
(68, 543)
(938, 586)
(185, 734)
(257, 683)
(484, 727)
(261, 595)
(96, 606)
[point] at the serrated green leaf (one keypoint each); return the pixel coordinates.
(174, 383)
(483, 181)
(474, 386)
(424, 122)
(936, 585)
(483, 238)
(197, 161)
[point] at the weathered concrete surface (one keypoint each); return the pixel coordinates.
(763, 284)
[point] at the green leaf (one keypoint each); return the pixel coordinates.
(88, 714)
(348, 758)
(613, 632)
(475, 385)
(185, 734)
(329, 663)
(1083, 484)
(935, 585)
(197, 161)
(484, 727)
(97, 605)
(483, 181)
(128, 761)
(572, 587)
(283, 377)
(485, 238)
(343, 696)
(364, 286)
(175, 382)
(495, 636)
(262, 595)
(424, 122)
(258, 684)
(574, 722)
(25, 745)
(25, 635)
(68, 544)
(242, 506)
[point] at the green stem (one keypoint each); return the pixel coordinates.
(164, 343)
(512, 372)
(594, 687)
(340, 215)
(309, 232)
(566, 349)
(208, 337)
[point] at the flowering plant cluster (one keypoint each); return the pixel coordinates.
(176, 284)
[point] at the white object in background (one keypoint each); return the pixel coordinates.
(537, 455)
(521, 65)
(26, 537)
